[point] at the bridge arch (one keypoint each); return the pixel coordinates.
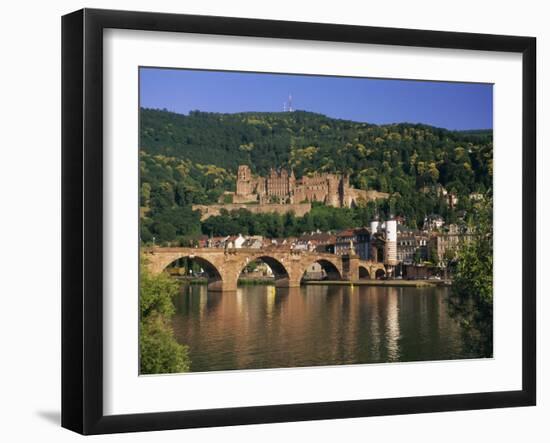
(364, 273)
(213, 274)
(380, 273)
(331, 269)
(280, 272)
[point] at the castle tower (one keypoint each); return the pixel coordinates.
(333, 198)
(344, 191)
(390, 250)
(292, 186)
(244, 180)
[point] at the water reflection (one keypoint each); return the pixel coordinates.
(268, 327)
(392, 326)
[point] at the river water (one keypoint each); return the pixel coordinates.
(268, 327)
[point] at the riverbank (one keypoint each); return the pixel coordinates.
(242, 281)
(256, 281)
(391, 283)
(398, 283)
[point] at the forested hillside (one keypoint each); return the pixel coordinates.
(193, 159)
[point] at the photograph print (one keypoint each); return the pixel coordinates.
(294, 220)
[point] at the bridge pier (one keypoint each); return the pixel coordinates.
(287, 283)
(350, 265)
(222, 286)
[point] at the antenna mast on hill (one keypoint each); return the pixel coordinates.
(290, 103)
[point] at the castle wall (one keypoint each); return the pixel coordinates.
(355, 196)
(299, 209)
(246, 198)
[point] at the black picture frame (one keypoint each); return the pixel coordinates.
(82, 218)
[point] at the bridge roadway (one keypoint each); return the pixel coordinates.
(223, 266)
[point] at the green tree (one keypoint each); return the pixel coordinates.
(159, 351)
(471, 300)
(165, 231)
(145, 195)
(145, 234)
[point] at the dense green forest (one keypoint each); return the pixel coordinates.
(192, 159)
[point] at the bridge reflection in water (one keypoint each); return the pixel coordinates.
(268, 327)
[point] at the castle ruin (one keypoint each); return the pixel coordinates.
(281, 192)
(282, 187)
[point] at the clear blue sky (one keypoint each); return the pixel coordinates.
(442, 104)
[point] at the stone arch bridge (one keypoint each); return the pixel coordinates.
(223, 266)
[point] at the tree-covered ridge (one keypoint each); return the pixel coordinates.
(309, 142)
(192, 159)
